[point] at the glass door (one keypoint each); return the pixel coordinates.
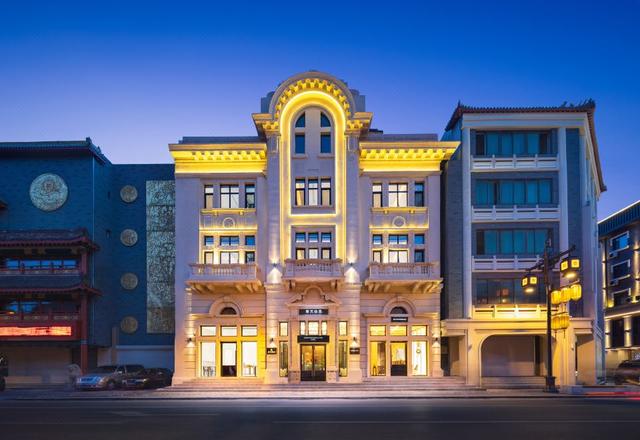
(229, 359)
(208, 359)
(378, 358)
(398, 358)
(249, 359)
(419, 358)
(312, 362)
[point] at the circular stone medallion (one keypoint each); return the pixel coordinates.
(129, 324)
(48, 192)
(128, 193)
(129, 237)
(129, 281)
(399, 222)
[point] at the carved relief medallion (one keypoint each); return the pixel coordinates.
(129, 237)
(129, 281)
(48, 192)
(129, 324)
(128, 193)
(399, 222)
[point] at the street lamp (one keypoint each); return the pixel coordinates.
(569, 269)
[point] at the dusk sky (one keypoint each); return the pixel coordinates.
(135, 76)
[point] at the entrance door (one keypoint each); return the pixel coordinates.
(398, 358)
(229, 359)
(312, 362)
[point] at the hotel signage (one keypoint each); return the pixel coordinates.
(272, 350)
(307, 312)
(354, 350)
(313, 338)
(399, 319)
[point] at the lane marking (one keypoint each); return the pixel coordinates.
(441, 422)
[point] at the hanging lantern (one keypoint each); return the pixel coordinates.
(565, 321)
(570, 267)
(576, 292)
(554, 323)
(530, 284)
(565, 294)
(556, 297)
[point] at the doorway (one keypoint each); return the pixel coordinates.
(312, 363)
(229, 359)
(398, 358)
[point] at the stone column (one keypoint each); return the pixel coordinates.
(466, 222)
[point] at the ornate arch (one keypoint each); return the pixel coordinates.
(221, 303)
(399, 301)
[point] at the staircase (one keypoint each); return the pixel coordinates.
(513, 382)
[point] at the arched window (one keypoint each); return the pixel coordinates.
(312, 132)
(324, 121)
(300, 123)
(397, 310)
(228, 311)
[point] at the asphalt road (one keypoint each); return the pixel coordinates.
(519, 419)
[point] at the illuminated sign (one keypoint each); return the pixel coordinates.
(53, 330)
(308, 312)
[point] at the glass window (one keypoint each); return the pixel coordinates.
(249, 358)
(208, 359)
(541, 240)
(343, 359)
(300, 192)
(301, 253)
(323, 328)
(376, 239)
(249, 330)
(228, 311)
(313, 328)
(485, 193)
(519, 242)
(208, 240)
(283, 359)
(229, 240)
(620, 270)
(418, 330)
(398, 256)
(480, 145)
(300, 144)
(324, 120)
(342, 328)
(378, 358)
(326, 253)
(376, 191)
(208, 330)
(303, 327)
(620, 242)
(506, 242)
(284, 328)
(249, 196)
(325, 192)
(418, 256)
(418, 239)
(229, 359)
(505, 194)
(325, 143)
(249, 257)
(313, 237)
(544, 191)
(418, 194)
(492, 144)
(532, 192)
(419, 358)
(398, 194)
(313, 192)
(208, 257)
(208, 196)
(377, 330)
(228, 330)
(518, 193)
(326, 237)
(398, 239)
(506, 146)
(300, 123)
(491, 242)
(250, 240)
(398, 330)
(301, 237)
(229, 196)
(313, 253)
(519, 146)
(533, 143)
(377, 256)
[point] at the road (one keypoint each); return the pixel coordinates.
(423, 419)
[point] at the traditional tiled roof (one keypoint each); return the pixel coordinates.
(620, 219)
(58, 147)
(588, 107)
(220, 140)
(46, 237)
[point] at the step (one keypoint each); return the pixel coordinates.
(513, 382)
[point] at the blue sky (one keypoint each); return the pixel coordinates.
(136, 76)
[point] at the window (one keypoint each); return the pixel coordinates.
(301, 237)
(506, 291)
(511, 241)
(313, 237)
(229, 240)
(418, 330)
(418, 194)
(343, 359)
(250, 257)
(229, 196)
(376, 191)
(377, 330)
(398, 239)
(326, 253)
(208, 330)
(324, 120)
(620, 242)
(208, 240)
(250, 240)
(325, 195)
(228, 330)
(325, 143)
(398, 310)
(300, 147)
(208, 257)
(418, 256)
(507, 143)
(326, 237)
(418, 239)
(301, 253)
(513, 192)
(342, 328)
(313, 253)
(377, 256)
(617, 333)
(398, 330)
(208, 196)
(397, 194)
(284, 328)
(620, 270)
(308, 245)
(229, 257)
(398, 256)
(228, 311)
(208, 359)
(376, 239)
(313, 192)
(300, 192)
(300, 123)
(621, 297)
(303, 327)
(283, 359)
(323, 328)
(229, 359)
(249, 196)
(249, 330)
(249, 358)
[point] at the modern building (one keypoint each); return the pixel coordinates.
(520, 177)
(619, 245)
(86, 260)
(310, 251)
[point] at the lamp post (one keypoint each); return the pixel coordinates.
(569, 268)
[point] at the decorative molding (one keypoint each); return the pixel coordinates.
(129, 281)
(48, 192)
(129, 325)
(129, 237)
(128, 193)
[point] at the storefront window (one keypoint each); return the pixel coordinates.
(227, 330)
(208, 353)
(249, 330)
(249, 358)
(398, 330)
(303, 327)
(313, 328)
(419, 358)
(377, 330)
(207, 330)
(284, 359)
(343, 358)
(398, 358)
(323, 328)
(418, 330)
(229, 359)
(342, 328)
(284, 329)
(378, 358)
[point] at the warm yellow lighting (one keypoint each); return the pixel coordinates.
(569, 268)
(576, 292)
(556, 297)
(565, 295)
(529, 284)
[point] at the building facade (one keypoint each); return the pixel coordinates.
(521, 176)
(312, 250)
(86, 261)
(619, 245)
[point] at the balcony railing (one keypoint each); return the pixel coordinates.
(41, 270)
(509, 311)
(313, 269)
(39, 317)
(225, 272)
(514, 213)
(401, 271)
(514, 163)
(503, 263)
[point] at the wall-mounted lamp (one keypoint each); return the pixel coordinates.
(189, 340)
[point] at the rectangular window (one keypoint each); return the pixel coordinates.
(378, 358)
(418, 239)
(323, 328)
(376, 239)
(208, 359)
(229, 240)
(398, 194)
(326, 253)
(418, 330)
(249, 330)
(325, 143)
(229, 257)
(621, 298)
(208, 196)
(301, 253)
(377, 330)
(229, 359)
(419, 358)
(249, 257)
(208, 240)
(249, 196)
(398, 256)
(301, 237)
(620, 242)
(485, 193)
(229, 196)
(376, 192)
(326, 237)
(313, 237)
(402, 239)
(300, 192)
(544, 191)
(303, 327)
(313, 253)
(249, 358)
(480, 146)
(250, 240)
(313, 192)
(376, 257)
(418, 256)
(283, 359)
(343, 359)
(325, 194)
(208, 257)
(398, 330)
(208, 330)
(284, 328)
(620, 270)
(300, 144)
(228, 330)
(617, 333)
(342, 328)
(511, 241)
(418, 194)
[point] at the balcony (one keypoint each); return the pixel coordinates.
(410, 277)
(495, 263)
(535, 163)
(210, 278)
(228, 218)
(509, 311)
(399, 217)
(515, 213)
(41, 270)
(313, 270)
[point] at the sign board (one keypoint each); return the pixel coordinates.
(312, 312)
(399, 319)
(272, 350)
(313, 338)
(354, 350)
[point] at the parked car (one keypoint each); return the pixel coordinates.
(627, 371)
(149, 378)
(2, 383)
(107, 377)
